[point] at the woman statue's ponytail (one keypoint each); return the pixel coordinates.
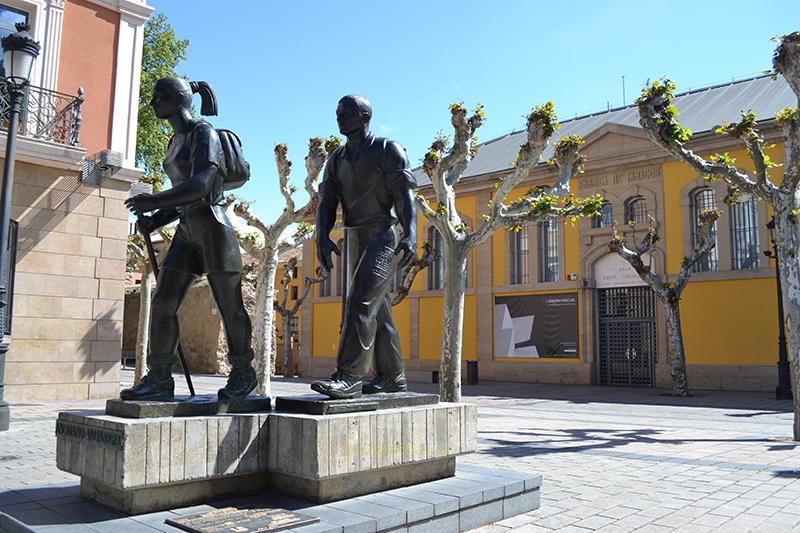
(208, 102)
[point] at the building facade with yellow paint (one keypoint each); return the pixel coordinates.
(549, 304)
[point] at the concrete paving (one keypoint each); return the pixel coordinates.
(612, 459)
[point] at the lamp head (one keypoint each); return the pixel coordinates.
(20, 51)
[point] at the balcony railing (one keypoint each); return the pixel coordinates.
(47, 115)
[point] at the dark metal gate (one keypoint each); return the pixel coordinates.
(626, 336)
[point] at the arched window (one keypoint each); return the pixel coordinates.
(744, 235)
(606, 217)
(518, 251)
(636, 210)
(704, 199)
(325, 284)
(548, 251)
(436, 270)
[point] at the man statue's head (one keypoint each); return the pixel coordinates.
(353, 114)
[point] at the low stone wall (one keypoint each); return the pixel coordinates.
(200, 325)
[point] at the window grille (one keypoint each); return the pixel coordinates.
(606, 217)
(436, 270)
(548, 251)
(518, 246)
(325, 285)
(339, 267)
(636, 210)
(744, 235)
(704, 200)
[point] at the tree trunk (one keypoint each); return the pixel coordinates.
(265, 316)
(143, 332)
(455, 277)
(786, 235)
(288, 371)
(675, 351)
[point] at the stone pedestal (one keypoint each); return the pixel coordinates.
(325, 458)
(143, 465)
(139, 465)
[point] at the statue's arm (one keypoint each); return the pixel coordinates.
(162, 217)
(326, 216)
(401, 183)
(201, 183)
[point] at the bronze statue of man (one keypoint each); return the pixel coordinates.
(371, 179)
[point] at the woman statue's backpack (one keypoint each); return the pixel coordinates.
(237, 168)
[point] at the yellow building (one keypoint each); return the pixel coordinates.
(293, 291)
(549, 304)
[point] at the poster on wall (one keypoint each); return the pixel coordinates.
(536, 325)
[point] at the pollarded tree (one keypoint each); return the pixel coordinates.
(266, 247)
(445, 165)
(669, 293)
(289, 312)
(137, 258)
(659, 118)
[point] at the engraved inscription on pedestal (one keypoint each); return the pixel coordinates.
(242, 521)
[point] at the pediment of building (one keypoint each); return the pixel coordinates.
(612, 140)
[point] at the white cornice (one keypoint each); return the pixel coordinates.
(45, 153)
(137, 9)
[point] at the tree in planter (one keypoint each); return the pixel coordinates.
(137, 258)
(288, 313)
(445, 165)
(659, 118)
(670, 293)
(265, 244)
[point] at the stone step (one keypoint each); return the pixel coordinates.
(474, 497)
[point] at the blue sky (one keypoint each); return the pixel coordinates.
(279, 68)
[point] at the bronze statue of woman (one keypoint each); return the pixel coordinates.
(205, 242)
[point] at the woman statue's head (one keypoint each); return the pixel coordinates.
(172, 94)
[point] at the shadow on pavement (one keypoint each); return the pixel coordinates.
(581, 440)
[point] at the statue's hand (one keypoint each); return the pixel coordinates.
(146, 224)
(409, 250)
(141, 203)
(324, 248)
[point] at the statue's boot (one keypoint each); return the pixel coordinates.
(157, 384)
(384, 383)
(242, 379)
(340, 386)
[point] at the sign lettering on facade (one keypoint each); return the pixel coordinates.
(622, 177)
(613, 271)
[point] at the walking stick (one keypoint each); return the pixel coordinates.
(154, 265)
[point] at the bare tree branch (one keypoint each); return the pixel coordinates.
(706, 242)
(657, 116)
(418, 264)
(321, 276)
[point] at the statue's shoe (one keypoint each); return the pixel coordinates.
(382, 383)
(340, 386)
(241, 382)
(150, 388)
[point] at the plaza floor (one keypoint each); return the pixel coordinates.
(612, 459)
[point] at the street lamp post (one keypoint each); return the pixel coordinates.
(784, 389)
(20, 50)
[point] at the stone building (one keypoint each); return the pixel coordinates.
(70, 271)
(549, 303)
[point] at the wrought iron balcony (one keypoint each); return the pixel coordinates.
(47, 115)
